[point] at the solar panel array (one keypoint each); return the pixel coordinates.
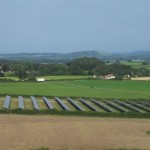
(101, 105)
(88, 105)
(144, 103)
(128, 106)
(115, 106)
(75, 104)
(7, 102)
(34, 102)
(62, 104)
(93, 104)
(139, 106)
(21, 102)
(47, 102)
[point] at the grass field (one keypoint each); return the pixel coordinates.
(80, 88)
(136, 64)
(64, 77)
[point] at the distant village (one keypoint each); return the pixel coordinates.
(110, 77)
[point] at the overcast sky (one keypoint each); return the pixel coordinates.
(74, 25)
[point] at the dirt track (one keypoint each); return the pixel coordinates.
(23, 132)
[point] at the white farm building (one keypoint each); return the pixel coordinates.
(40, 79)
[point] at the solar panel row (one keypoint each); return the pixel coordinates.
(128, 106)
(88, 105)
(47, 102)
(75, 104)
(21, 102)
(7, 102)
(144, 103)
(34, 102)
(115, 106)
(62, 104)
(139, 106)
(101, 105)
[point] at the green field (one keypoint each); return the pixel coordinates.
(136, 64)
(50, 77)
(80, 88)
(63, 77)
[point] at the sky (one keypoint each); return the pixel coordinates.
(64, 26)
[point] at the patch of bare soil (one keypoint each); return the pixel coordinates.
(141, 78)
(18, 132)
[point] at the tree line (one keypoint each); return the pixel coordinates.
(80, 66)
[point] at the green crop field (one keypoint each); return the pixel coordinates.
(80, 88)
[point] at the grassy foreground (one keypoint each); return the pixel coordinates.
(80, 88)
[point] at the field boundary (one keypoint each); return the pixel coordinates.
(76, 113)
(73, 97)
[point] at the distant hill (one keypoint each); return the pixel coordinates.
(59, 57)
(68, 56)
(56, 55)
(141, 55)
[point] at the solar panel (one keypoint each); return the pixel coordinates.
(139, 106)
(101, 105)
(88, 105)
(115, 106)
(62, 104)
(75, 104)
(7, 102)
(144, 103)
(34, 102)
(47, 102)
(127, 106)
(21, 102)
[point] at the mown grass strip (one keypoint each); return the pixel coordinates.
(75, 113)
